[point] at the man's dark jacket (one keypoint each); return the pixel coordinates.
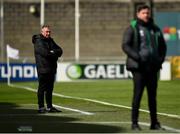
(46, 54)
(144, 54)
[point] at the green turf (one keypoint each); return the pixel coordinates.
(18, 107)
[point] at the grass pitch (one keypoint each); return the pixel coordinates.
(19, 108)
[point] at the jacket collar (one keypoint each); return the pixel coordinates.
(145, 24)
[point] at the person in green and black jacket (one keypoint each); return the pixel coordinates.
(145, 47)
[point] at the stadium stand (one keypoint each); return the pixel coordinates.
(102, 23)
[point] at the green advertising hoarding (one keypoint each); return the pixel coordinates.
(169, 22)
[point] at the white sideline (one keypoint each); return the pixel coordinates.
(66, 108)
(104, 103)
(101, 102)
(74, 110)
(115, 105)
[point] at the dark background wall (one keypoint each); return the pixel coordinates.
(102, 23)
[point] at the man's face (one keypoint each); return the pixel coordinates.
(46, 32)
(144, 15)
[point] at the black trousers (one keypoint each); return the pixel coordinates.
(45, 89)
(140, 81)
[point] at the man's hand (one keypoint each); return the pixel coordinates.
(56, 52)
(52, 51)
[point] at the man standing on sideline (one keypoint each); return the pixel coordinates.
(46, 55)
(145, 47)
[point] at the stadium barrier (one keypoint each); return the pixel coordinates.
(76, 71)
(68, 71)
(175, 62)
(18, 72)
(165, 72)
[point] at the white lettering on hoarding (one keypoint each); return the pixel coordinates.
(101, 72)
(89, 71)
(28, 72)
(106, 71)
(3, 72)
(127, 74)
(118, 72)
(18, 71)
(111, 71)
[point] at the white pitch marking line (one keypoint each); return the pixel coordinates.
(115, 105)
(166, 127)
(66, 108)
(54, 114)
(101, 102)
(110, 104)
(74, 110)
